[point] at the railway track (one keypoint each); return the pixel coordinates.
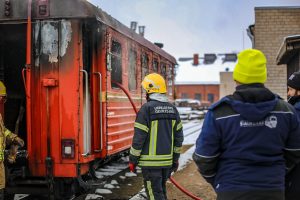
(114, 179)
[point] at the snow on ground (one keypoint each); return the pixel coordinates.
(93, 196)
(112, 169)
(103, 191)
(191, 131)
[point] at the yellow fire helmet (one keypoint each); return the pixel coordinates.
(154, 83)
(2, 89)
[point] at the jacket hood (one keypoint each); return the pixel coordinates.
(297, 106)
(253, 111)
(158, 97)
(253, 102)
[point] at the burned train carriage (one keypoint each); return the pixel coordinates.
(63, 62)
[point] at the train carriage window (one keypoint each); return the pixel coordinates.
(145, 63)
(155, 65)
(132, 70)
(116, 63)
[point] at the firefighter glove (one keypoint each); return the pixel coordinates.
(132, 167)
(19, 141)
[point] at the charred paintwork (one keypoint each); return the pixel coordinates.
(52, 39)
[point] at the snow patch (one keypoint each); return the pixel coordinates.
(103, 191)
(93, 196)
(130, 174)
(114, 182)
(109, 186)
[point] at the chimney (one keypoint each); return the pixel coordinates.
(142, 30)
(160, 45)
(133, 26)
(196, 59)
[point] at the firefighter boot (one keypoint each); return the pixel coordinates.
(1, 194)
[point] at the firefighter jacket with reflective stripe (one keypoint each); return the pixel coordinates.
(157, 136)
(6, 136)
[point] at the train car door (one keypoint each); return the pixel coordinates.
(12, 61)
(93, 72)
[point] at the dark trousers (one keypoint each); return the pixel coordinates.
(155, 183)
(251, 195)
(1, 194)
(293, 184)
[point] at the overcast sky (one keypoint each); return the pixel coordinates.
(192, 26)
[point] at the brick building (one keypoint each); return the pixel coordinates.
(272, 25)
(201, 82)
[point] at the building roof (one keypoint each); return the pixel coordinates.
(289, 47)
(209, 74)
(276, 7)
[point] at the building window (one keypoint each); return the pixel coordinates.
(145, 67)
(155, 66)
(198, 96)
(210, 97)
(132, 70)
(184, 95)
(163, 70)
(116, 63)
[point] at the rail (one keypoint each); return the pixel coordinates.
(86, 117)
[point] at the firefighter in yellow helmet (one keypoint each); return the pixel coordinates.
(157, 138)
(6, 137)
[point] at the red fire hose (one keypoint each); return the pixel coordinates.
(182, 189)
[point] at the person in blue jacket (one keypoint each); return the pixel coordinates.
(293, 176)
(249, 138)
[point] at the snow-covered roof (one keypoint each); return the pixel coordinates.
(208, 74)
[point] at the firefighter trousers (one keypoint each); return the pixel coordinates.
(155, 183)
(2, 180)
(2, 175)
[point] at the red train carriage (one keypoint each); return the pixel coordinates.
(60, 61)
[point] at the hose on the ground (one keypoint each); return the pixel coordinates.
(182, 189)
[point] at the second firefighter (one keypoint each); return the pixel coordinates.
(157, 138)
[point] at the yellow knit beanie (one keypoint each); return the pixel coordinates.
(2, 89)
(251, 67)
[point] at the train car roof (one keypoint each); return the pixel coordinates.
(68, 9)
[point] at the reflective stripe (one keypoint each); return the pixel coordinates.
(179, 126)
(1, 155)
(156, 157)
(135, 152)
(157, 163)
(177, 149)
(7, 132)
(153, 138)
(173, 124)
(141, 126)
(150, 190)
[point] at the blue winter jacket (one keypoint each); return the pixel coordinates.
(243, 145)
